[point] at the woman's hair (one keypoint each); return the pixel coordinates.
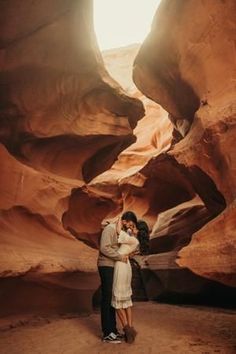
(143, 236)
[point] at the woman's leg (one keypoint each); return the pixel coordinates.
(122, 317)
(131, 334)
(128, 313)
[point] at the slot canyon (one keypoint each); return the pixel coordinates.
(86, 135)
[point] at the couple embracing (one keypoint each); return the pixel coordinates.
(119, 240)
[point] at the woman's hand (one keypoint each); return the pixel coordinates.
(135, 231)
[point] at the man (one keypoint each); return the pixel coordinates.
(108, 255)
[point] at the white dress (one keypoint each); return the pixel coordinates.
(122, 291)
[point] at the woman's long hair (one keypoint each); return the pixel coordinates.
(143, 237)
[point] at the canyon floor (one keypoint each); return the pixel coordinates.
(162, 329)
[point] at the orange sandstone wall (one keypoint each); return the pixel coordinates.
(63, 121)
(187, 64)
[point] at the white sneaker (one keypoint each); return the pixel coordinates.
(111, 338)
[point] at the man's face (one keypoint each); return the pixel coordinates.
(127, 225)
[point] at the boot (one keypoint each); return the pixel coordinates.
(129, 334)
(134, 331)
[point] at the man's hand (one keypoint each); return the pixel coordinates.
(124, 258)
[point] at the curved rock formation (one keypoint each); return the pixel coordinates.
(174, 227)
(124, 185)
(85, 214)
(187, 65)
(38, 257)
(58, 103)
(215, 247)
(63, 121)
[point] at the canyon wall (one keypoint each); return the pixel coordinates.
(63, 121)
(187, 64)
(77, 149)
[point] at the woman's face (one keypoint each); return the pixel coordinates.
(135, 231)
(128, 225)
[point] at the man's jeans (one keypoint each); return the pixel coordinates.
(108, 313)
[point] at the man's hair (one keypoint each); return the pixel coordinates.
(129, 216)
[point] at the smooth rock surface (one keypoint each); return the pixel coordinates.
(187, 64)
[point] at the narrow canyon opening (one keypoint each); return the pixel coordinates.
(142, 119)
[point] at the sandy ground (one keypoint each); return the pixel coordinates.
(162, 329)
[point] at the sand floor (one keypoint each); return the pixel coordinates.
(162, 328)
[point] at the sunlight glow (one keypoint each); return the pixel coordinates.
(120, 23)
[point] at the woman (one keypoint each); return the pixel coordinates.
(121, 293)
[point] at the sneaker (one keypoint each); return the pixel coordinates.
(111, 338)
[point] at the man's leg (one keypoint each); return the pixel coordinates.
(113, 319)
(108, 319)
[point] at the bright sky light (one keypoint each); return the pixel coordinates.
(122, 22)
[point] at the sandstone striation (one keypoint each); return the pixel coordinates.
(63, 121)
(215, 246)
(58, 104)
(75, 152)
(187, 64)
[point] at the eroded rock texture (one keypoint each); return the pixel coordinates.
(187, 64)
(54, 88)
(63, 121)
(126, 185)
(175, 199)
(215, 246)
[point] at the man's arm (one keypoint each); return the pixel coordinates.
(105, 245)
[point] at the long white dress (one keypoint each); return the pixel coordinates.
(122, 291)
